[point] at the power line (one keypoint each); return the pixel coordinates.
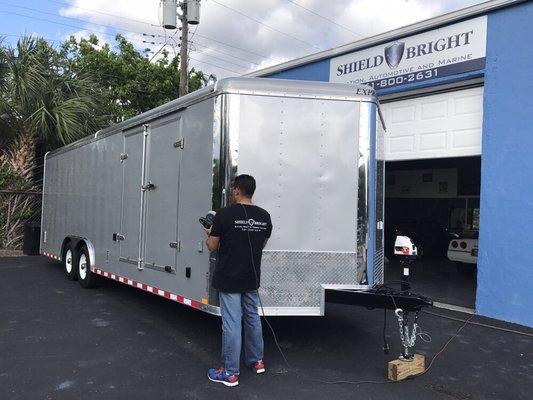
(325, 18)
(214, 65)
(245, 67)
(113, 28)
(55, 22)
(116, 76)
(57, 41)
(195, 43)
(147, 23)
(167, 38)
(221, 59)
(36, 36)
(144, 22)
(70, 25)
(222, 52)
(235, 47)
(164, 45)
(72, 18)
(101, 12)
(268, 26)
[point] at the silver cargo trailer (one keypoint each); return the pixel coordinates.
(125, 203)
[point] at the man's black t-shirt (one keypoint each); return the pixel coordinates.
(234, 271)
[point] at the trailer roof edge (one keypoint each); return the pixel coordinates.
(258, 86)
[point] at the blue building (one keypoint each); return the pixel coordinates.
(457, 97)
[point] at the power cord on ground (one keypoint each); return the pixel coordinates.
(479, 324)
(421, 334)
(443, 348)
(259, 297)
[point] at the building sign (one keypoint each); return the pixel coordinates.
(446, 51)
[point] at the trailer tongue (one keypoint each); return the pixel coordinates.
(379, 297)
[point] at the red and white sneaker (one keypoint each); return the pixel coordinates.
(259, 367)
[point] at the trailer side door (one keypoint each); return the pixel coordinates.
(150, 194)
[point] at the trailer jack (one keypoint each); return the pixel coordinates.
(408, 338)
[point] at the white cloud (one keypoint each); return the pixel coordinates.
(255, 45)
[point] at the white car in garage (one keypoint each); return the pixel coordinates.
(463, 251)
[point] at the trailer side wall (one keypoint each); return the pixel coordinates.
(91, 194)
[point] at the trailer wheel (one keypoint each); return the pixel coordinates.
(86, 277)
(69, 258)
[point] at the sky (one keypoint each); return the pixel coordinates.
(234, 36)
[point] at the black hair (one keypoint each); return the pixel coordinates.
(246, 184)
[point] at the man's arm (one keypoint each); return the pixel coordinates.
(212, 242)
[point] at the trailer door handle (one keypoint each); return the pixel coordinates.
(180, 144)
(148, 186)
(117, 237)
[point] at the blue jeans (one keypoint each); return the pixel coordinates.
(234, 308)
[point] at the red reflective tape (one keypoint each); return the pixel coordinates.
(195, 304)
(148, 288)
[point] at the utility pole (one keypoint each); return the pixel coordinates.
(184, 75)
(190, 14)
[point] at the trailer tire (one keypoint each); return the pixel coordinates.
(69, 263)
(86, 277)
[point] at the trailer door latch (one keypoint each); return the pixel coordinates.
(148, 186)
(175, 245)
(180, 144)
(117, 237)
(123, 156)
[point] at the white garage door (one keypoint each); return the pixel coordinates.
(434, 126)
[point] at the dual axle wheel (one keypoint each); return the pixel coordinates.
(77, 266)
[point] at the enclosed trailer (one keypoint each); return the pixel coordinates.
(125, 203)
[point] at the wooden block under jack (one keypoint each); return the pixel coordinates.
(399, 369)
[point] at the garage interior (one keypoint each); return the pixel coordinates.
(432, 187)
(434, 202)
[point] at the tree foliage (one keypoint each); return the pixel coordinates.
(57, 95)
(39, 98)
(128, 81)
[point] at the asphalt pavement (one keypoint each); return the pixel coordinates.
(59, 341)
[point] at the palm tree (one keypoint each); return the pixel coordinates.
(42, 102)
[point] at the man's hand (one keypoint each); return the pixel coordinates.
(207, 230)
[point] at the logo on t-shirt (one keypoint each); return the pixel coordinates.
(250, 225)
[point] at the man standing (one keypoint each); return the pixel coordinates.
(239, 232)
